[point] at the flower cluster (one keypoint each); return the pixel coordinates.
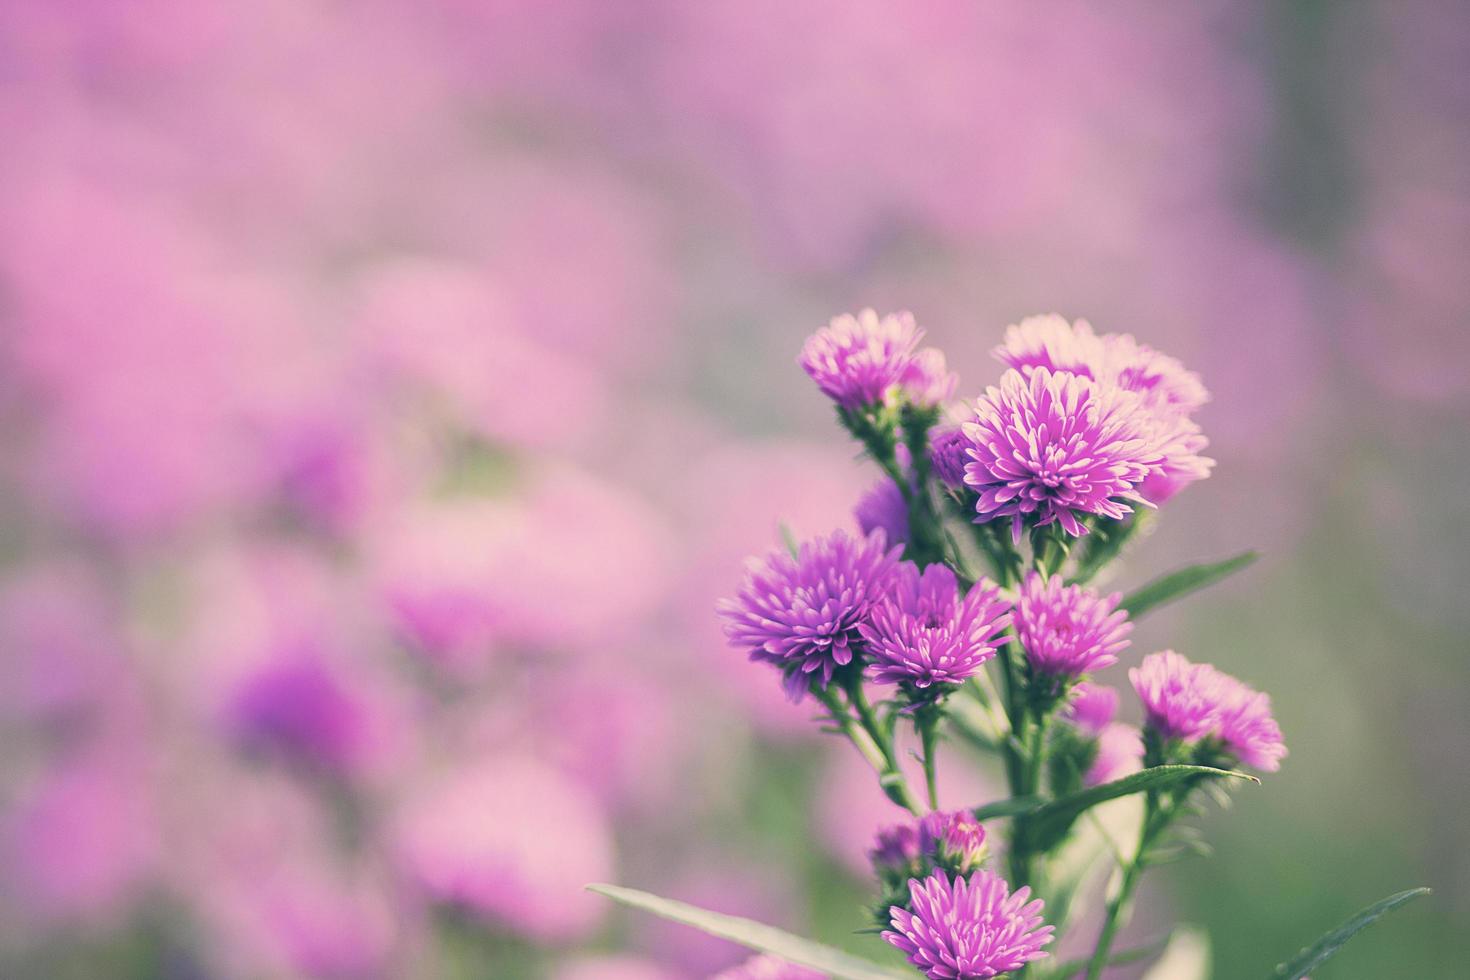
(897, 629)
(1192, 703)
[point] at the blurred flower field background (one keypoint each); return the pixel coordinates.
(390, 390)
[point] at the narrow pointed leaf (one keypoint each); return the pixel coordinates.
(1178, 584)
(1008, 808)
(1325, 948)
(755, 935)
(1052, 820)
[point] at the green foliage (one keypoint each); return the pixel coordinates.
(1327, 947)
(1178, 584)
(756, 936)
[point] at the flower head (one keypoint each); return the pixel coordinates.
(1091, 707)
(1189, 702)
(1119, 752)
(1050, 342)
(858, 361)
(925, 633)
(895, 851)
(953, 840)
(1055, 447)
(928, 382)
(883, 507)
(1069, 630)
(768, 967)
(802, 614)
(969, 928)
(949, 452)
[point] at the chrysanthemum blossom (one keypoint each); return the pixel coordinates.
(928, 382)
(1050, 342)
(1056, 447)
(883, 507)
(802, 614)
(925, 633)
(859, 361)
(1091, 707)
(969, 928)
(1069, 630)
(768, 967)
(1119, 753)
(895, 850)
(953, 840)
(1189, 701)
(949, 453)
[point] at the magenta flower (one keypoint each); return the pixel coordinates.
(953, 840)
(859, 361)
(883, 508)
(925, 634)
(949, 452)
(1091, 707)
(968, 929)
(803, 614)
(1189, 702)
(1056, 447)
(1119, 752)
(1049, 341)
(768, 967)
(928, 382)
(895, 850)
(1069, 630)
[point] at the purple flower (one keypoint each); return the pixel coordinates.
(949, 452)
(1119, 752)
(1054, 446)
(969, 929)
(858, 361)
(1188, 701)
(895, 851)
(1091, 707)
(924, 633)
(1050, 342)
(802, 614)
(768, 967)
(1069, 630)
(883, 507)
(953, 840)
(927, 382)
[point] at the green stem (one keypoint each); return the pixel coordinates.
(890, 774)
(926, 720)
(1120, 907)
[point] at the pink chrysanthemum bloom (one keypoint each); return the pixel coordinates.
(802, 614)
(954, 840)
(969, 928)
(1091, 707)
(1069, 630)
(1119, 752)
(883, 508)
(1056, 446)
(768, 967)
(1050, 342)
(1180, 444)
(925, 633)
(858, 361)
(949, 452)
(895, 851)
(928, 382)
(1189, 701)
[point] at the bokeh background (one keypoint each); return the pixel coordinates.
(388, 390)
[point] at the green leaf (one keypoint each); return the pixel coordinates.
(1325, 948)
(755, 935)
(1049, 822)
(1008, 808)
(1178, 584)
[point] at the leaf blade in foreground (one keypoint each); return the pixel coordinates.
(1328, 946)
